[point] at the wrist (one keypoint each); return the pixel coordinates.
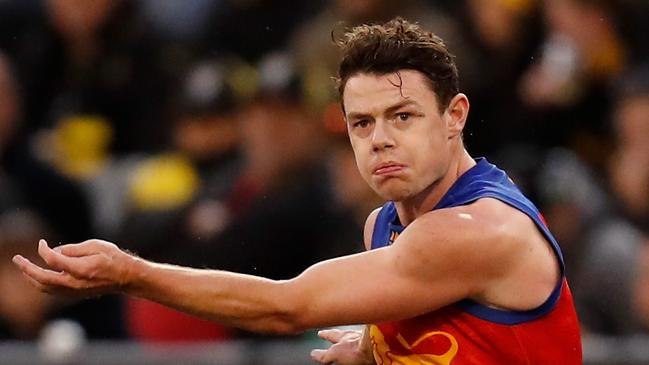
(133, 267)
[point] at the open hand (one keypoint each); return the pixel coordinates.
(90, 268)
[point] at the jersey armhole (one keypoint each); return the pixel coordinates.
(381, 229)
(508, 317)
(512, 317)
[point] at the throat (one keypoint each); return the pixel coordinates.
(410, 208)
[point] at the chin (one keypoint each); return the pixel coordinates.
(394, 193)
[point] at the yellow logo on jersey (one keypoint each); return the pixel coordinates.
(385, 356)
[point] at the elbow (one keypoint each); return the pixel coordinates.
(286, 328)
(276, 322)
(293, 314)
(281, 324)
(291, 321)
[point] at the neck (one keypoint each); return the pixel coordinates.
(409, 209)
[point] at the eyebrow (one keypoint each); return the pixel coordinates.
(389, 110)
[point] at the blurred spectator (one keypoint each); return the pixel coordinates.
(91, 58)
(604, 235)
(585, 44)
(629, 170)
(640, 300)
(574, 203)
(174, 198)
(254, 28)
(184, 185)
(268, 213)
(501, 39)
(31, 183)
(178, 20)
(27, 179)
(279, 207)
(568, 89)
(9, 102)
(629, 166)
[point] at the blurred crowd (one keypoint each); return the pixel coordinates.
(208, 133)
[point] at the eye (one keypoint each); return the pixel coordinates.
(362, 124)
(403, 116)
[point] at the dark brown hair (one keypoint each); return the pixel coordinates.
(398, 45)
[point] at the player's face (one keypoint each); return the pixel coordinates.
(401, 141)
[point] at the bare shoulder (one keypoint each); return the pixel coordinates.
(487, 224)
(531, 268)
(496, 250)
(512, 234)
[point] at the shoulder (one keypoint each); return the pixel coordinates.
(486, 220)
(487, 224)
(489, 245)
(368, 229)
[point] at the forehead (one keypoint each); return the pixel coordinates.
(364, 92)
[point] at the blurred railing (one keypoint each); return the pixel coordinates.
(597, 351)
(601, 350)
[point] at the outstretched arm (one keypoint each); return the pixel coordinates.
(327, 294)
(429, 266)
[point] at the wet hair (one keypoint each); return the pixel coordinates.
(397, 45)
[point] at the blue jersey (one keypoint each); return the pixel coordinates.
(468, 332)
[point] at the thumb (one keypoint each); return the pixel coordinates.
(332, 335)
(319, 356)
(77, 249)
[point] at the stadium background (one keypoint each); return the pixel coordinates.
(207, 133)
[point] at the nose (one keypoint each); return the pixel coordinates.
(381, 137)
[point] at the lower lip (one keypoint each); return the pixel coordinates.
(388, 170)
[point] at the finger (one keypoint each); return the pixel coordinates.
(34, 283)
(77, 249)
(73, 265)
(43, 276)
(320, 356)
(52, 281)
(332, 335)
(56, 289)
(45, 252)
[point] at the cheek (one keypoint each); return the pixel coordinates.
(433, 151)
(358, 153)
(362, 165)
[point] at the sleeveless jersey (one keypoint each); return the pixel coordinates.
(467, 332)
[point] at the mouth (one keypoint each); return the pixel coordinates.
(387, 168)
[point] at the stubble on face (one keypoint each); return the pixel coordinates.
(411, 143)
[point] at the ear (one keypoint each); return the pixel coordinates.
(455, 115)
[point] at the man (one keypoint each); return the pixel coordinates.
(460, 268)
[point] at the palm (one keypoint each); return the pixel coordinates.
(84, 269)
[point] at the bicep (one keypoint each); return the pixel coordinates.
(389, 283)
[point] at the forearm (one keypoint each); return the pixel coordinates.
(243, 301)
(329, 293)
